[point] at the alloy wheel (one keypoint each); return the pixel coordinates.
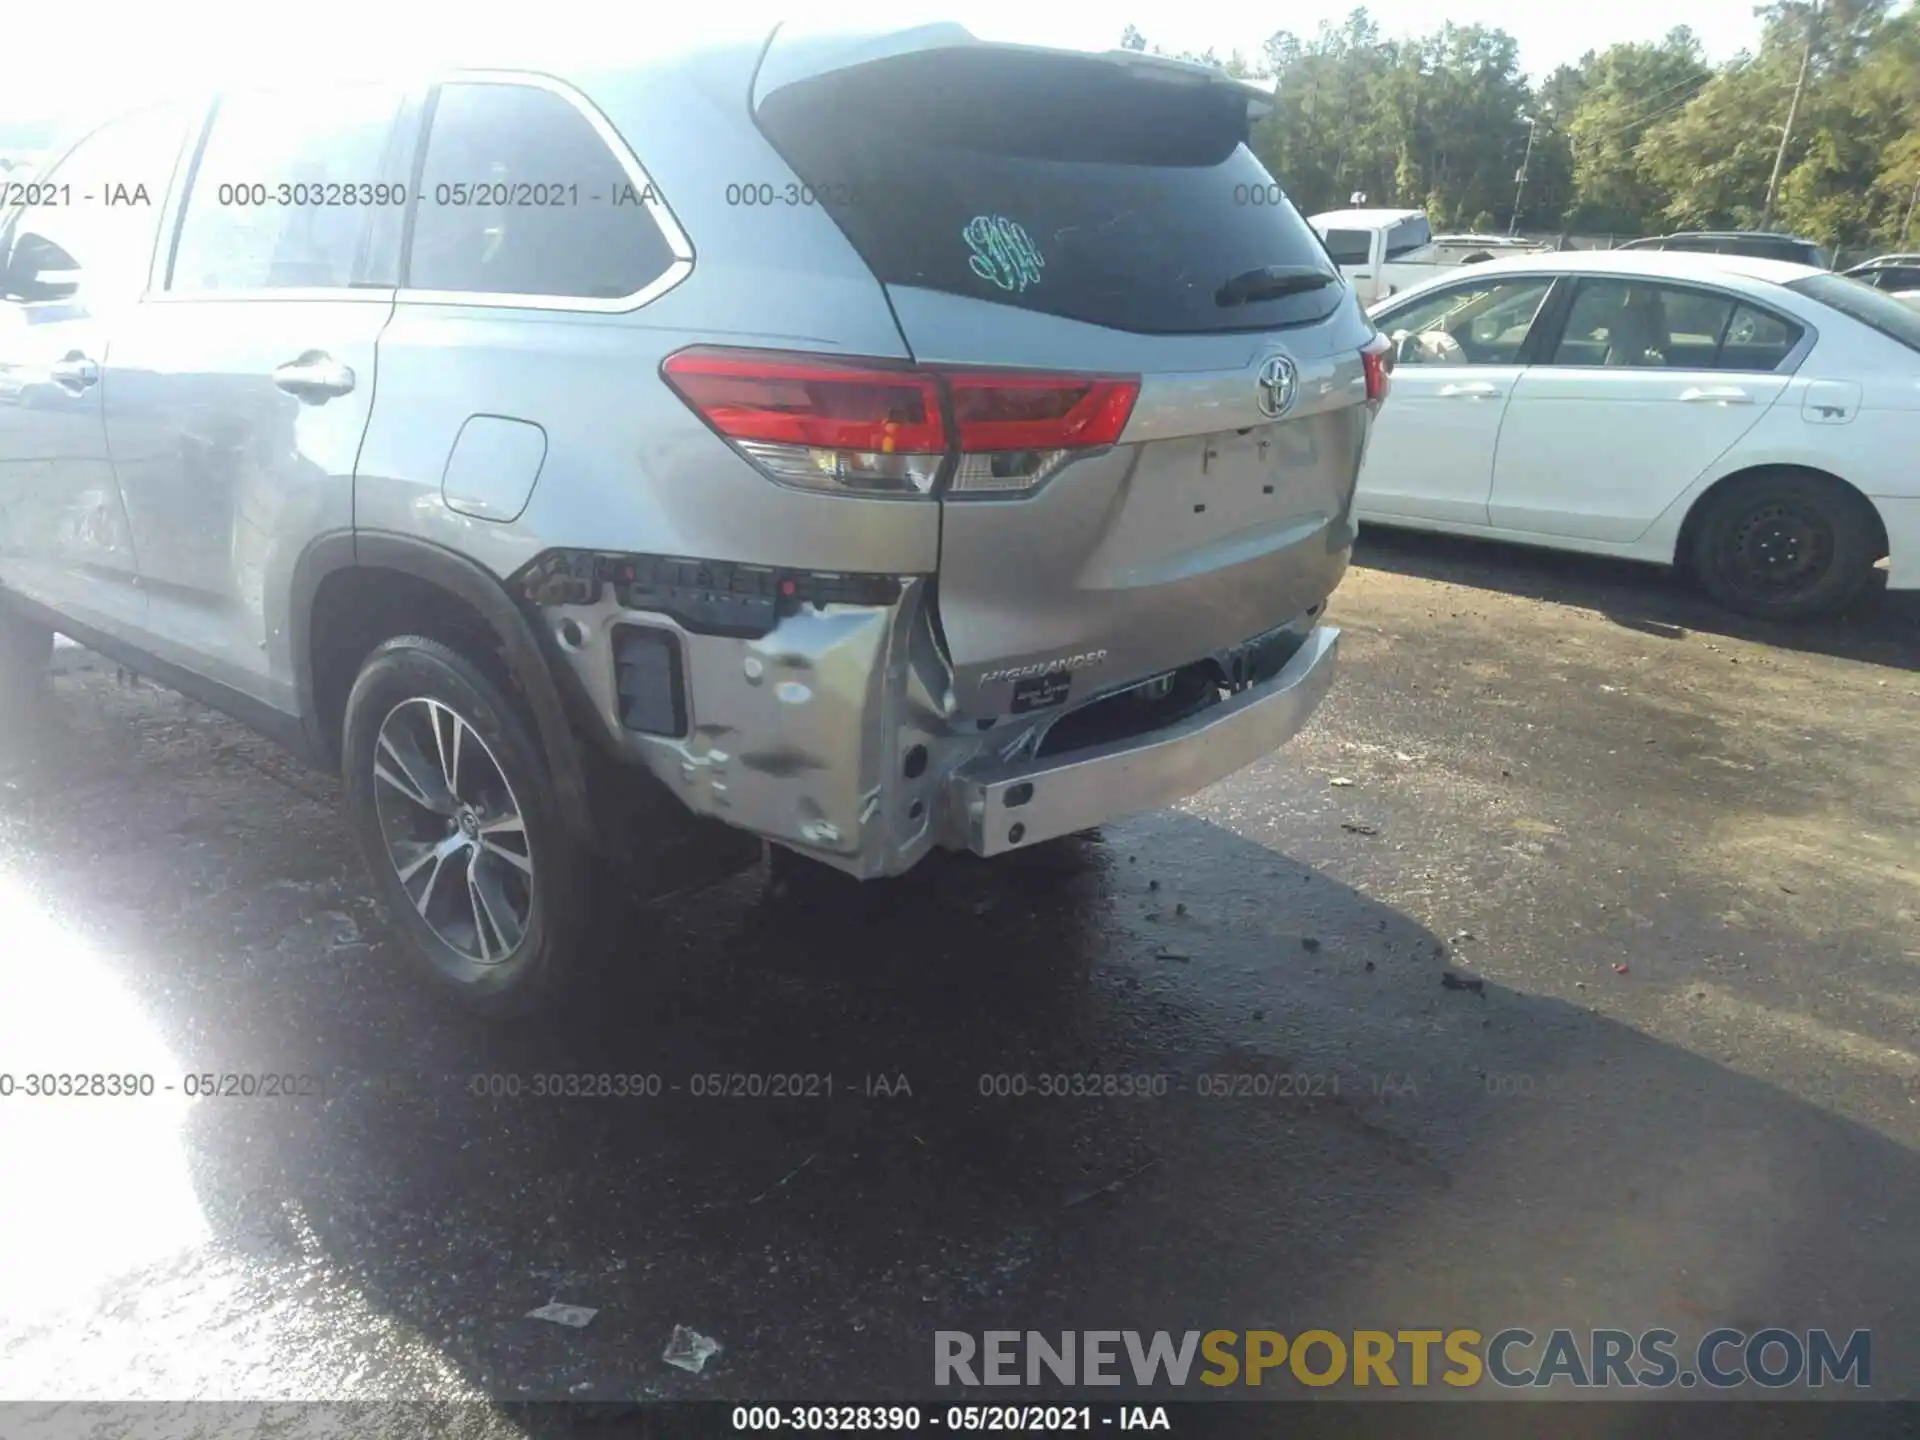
(453, 830)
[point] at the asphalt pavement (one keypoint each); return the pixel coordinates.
(1668, 859)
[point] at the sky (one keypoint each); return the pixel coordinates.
(137, 51)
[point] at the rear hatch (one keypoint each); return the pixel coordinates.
(1153, 373)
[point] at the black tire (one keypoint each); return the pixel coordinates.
(26, 650)
(402, 682)
(1785, 545)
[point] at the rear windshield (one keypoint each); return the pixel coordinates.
(1863, 303)
(1053, 183)
(1350, 247)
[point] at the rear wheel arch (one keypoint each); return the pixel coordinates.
(353, 591)
(1782, 542)
(1697, 512)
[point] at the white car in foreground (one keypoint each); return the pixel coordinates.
(1754, 421)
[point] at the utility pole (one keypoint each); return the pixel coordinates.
(1793, 109)
(1907, 228)
(1520, 176)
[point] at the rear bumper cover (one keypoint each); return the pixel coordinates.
(837, 732)
(1010, 807)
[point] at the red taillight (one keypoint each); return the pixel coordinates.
(831, 425)
(1376, 358)
(1038, 412)
(794, 400)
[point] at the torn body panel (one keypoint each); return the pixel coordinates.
(837, 732)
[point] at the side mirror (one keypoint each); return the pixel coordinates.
(34, 272)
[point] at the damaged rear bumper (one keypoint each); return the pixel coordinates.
(1008, 807)
(830, 724)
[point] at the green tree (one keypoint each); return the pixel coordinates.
(1622, 92)
(1635, 137)
(1855, 120)
(1549, 194)
(1236, 64)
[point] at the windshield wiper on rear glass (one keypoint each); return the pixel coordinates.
(1270, 282)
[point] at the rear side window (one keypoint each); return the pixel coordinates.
(1757, 340)
(520, 195)
(1408, 236)
(1863, 303)
(1636, 323)
(286, 190)
(1054, 183)
(1350, 247)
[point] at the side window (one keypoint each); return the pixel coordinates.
(521, 196)
(1482, 324)
(1633, 323)
(286, 190)
(1349, 247)
(1900, 277)
(93, 237)
(1757, 340)
(1407, 237)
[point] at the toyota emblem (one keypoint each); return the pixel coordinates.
(1279, 379)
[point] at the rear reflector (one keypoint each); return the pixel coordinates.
(866, 428)
(1376, 357)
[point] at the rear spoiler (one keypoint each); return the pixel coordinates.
(1259, 101)
(794, 54)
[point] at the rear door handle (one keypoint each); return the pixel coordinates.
(315, 377)
(1716, 395)
(1472, 390)
(74, 372)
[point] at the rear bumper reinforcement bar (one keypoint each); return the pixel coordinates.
(1009, 807)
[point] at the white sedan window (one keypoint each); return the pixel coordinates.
(1635, 323)
(1482, 324)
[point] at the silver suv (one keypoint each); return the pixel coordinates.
(864, 444)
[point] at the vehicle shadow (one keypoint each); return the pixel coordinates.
(1883, 628)
(1369, 1172)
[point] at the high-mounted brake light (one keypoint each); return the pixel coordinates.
(868, 428)
(1376, 358)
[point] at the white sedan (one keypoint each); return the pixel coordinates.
(1754, 421)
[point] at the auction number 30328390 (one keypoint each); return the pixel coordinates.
(1013, 1419)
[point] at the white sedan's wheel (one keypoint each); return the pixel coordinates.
(1785, 545)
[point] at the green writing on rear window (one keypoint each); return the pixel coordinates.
(1003, 252)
